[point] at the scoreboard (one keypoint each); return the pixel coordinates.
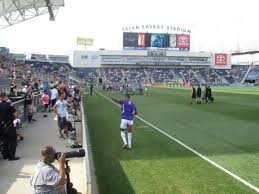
(140, 40)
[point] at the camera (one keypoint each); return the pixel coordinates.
(73, 154)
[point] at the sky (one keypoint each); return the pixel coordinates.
(217, 26)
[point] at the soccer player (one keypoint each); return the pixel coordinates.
(199, 95)
(128, 111)
(193, 94)
(210, 99)
(145, 90)
(205, 96)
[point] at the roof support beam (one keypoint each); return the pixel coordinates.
(18, 8)
(51, 14)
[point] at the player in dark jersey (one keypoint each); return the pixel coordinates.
(199, 94)
(210, 99)
(194, 94)
(205, 96)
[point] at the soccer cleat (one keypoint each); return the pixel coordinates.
(125, 146)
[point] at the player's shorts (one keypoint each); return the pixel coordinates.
(125, 123)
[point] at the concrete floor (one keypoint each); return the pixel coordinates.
(15, 175)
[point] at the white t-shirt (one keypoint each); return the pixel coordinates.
(61, 108)
(54, 94)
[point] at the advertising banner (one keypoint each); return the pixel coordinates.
(141, 40)
(183, 41)
(129, 39)
(172, 43)
(85, 41)
(160, 40)
(221, 59)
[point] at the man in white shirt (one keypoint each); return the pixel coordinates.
(54, 96)
(60, 108)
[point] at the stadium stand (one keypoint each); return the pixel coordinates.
(135, 75)
(186, 76)
(88, 74)
(235, 74)
(112, 74)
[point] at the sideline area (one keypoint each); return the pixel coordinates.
(15, 175)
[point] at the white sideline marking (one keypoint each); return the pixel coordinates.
(192, 150)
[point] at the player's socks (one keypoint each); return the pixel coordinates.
(123, 136)
(129, 139)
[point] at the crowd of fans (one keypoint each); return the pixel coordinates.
(180, 75)
(46, 84)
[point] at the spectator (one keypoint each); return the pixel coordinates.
(29, 104)
(54, 95)
(45, 102)
(60, 108)
(8, 131)
(13, 88)
(46, 178)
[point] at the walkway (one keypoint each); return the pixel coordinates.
(15, 175)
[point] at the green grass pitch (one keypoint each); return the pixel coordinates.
(226, 132)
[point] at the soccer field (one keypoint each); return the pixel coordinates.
(225, 132)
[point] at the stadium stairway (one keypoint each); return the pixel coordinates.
(15, 175)
(244, 78)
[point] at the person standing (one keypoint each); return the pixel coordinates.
(13, 88)
(205, 96)
(54, 95)
(60, 108)
(91, 88)
(194, 94)
(29, 104)
(199, 94)
(129, 109)
(7, 129)
(210, 99)
(45, 102)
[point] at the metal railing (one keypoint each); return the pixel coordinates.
(21, 108)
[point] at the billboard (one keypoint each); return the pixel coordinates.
(159, 40)
(172, 43)
(221, 59)
(183, 41)
(129, 39)
(139, 40)
(85, 41)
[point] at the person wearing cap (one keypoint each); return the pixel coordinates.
(7, 129)
(129, 109)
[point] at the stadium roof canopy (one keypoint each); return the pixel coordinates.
(16, 11)
(252, 52)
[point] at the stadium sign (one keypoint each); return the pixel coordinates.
(221, 59)
(156, 27)
(85, 41)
